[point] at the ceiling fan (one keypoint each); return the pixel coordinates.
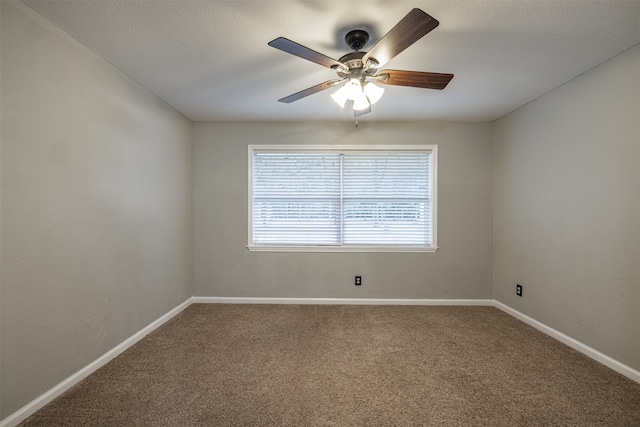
(357, 71)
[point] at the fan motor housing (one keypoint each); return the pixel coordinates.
(352, 59)
(353, 62)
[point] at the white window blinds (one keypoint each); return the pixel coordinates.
(342, 198)
(386, 199)
(296, 198)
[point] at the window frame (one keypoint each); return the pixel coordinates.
(293, 148)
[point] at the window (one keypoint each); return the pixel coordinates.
(347, 198)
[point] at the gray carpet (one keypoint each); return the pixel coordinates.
(305, 365)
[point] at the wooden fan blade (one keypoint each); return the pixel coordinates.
(309, 91)
(409, 30)
(303, 52)
(414, 79)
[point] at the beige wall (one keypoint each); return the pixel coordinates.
(461, 268)
(96, 207)
(567, 208)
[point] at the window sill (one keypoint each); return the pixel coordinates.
(254, 248)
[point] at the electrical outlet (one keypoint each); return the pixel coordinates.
(519, 290)
(358, 280)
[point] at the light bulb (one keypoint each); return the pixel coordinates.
(373, 92)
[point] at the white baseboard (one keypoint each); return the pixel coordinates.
(30, 408)
(340, 301)
(619, 367)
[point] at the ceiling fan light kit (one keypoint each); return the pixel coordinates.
(362, 97)
(357, 71)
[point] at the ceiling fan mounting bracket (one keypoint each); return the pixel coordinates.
(356, 39)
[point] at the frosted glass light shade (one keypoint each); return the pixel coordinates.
(361, 102)
(348, 92)
(373, 92)
(340, 96)
(353, 89)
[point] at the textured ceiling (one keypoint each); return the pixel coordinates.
(210, 59)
